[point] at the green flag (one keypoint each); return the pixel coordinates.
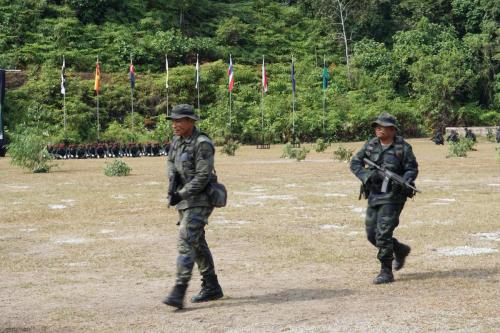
(326, 77)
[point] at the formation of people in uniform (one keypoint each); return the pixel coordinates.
(454, 137)
(108, 150)
(190, 168)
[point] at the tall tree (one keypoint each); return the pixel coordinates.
(337, 13)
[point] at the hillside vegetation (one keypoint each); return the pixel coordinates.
(431, 63)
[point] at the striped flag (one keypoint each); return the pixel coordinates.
(166, 69)
(97, 83)
(230, 74)
(63, 78)
(132, 75)
(264, 76)
(197, 86)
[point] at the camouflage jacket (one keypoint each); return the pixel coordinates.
(192, 159)
(397, 157)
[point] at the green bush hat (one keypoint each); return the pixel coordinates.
(386, 120)
(183, 111)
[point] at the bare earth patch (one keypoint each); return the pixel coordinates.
(82, 252)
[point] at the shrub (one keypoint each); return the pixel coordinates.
(490, 136)
(460, 148)
(288, 151)
(343, 154)
(296, 153)
(321, 145)
(117, 168)
(28, 150)
(230, 147)
(301, 153)
(219, 141)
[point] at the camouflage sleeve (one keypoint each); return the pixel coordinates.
(410, 165)
(170, 162)
(358, 165)
(204, 165)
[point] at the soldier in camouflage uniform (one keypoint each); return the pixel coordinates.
(382, 215)
(191, 162)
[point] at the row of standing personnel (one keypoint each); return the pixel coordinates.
(190, 162)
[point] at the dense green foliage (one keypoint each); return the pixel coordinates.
(117, 169)
(430, 63)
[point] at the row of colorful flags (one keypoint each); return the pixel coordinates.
(230, 74)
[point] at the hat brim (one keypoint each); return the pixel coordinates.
(384, 124)
(180, 116)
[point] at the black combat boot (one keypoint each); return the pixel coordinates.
(385, 275)
(400, 256)
(210, 290)
(176, 297)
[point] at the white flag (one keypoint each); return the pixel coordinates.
(197, 86)
(63, 79)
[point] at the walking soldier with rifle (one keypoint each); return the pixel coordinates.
(387, 169)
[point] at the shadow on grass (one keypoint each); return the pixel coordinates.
(472, 273)
(289, 295)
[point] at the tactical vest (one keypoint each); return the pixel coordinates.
(190, 150)
(398, 149)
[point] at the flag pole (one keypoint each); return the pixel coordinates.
(293, 103)
(64, 97)
(230, 98)
(198, 80)
(262, 103)
(97, 102)
(324, 104)
(131, 93)
(166, 81)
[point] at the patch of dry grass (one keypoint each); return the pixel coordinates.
(84, 252)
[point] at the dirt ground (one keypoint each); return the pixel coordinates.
(82, 252)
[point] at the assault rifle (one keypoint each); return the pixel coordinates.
(389, 175)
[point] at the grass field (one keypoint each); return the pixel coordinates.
(82, 252)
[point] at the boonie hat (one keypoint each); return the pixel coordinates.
(386, 120)
(183, 111)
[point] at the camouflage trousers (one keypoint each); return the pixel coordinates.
(380, 222)
(192, 246)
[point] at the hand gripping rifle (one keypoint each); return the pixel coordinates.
(389, 175)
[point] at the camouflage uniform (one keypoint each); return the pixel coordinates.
(190, 168)
(382, 215)
(192, 159)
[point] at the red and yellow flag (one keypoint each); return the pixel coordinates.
(97, 84)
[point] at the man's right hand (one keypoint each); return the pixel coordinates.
(174, 198)
(371, 177)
